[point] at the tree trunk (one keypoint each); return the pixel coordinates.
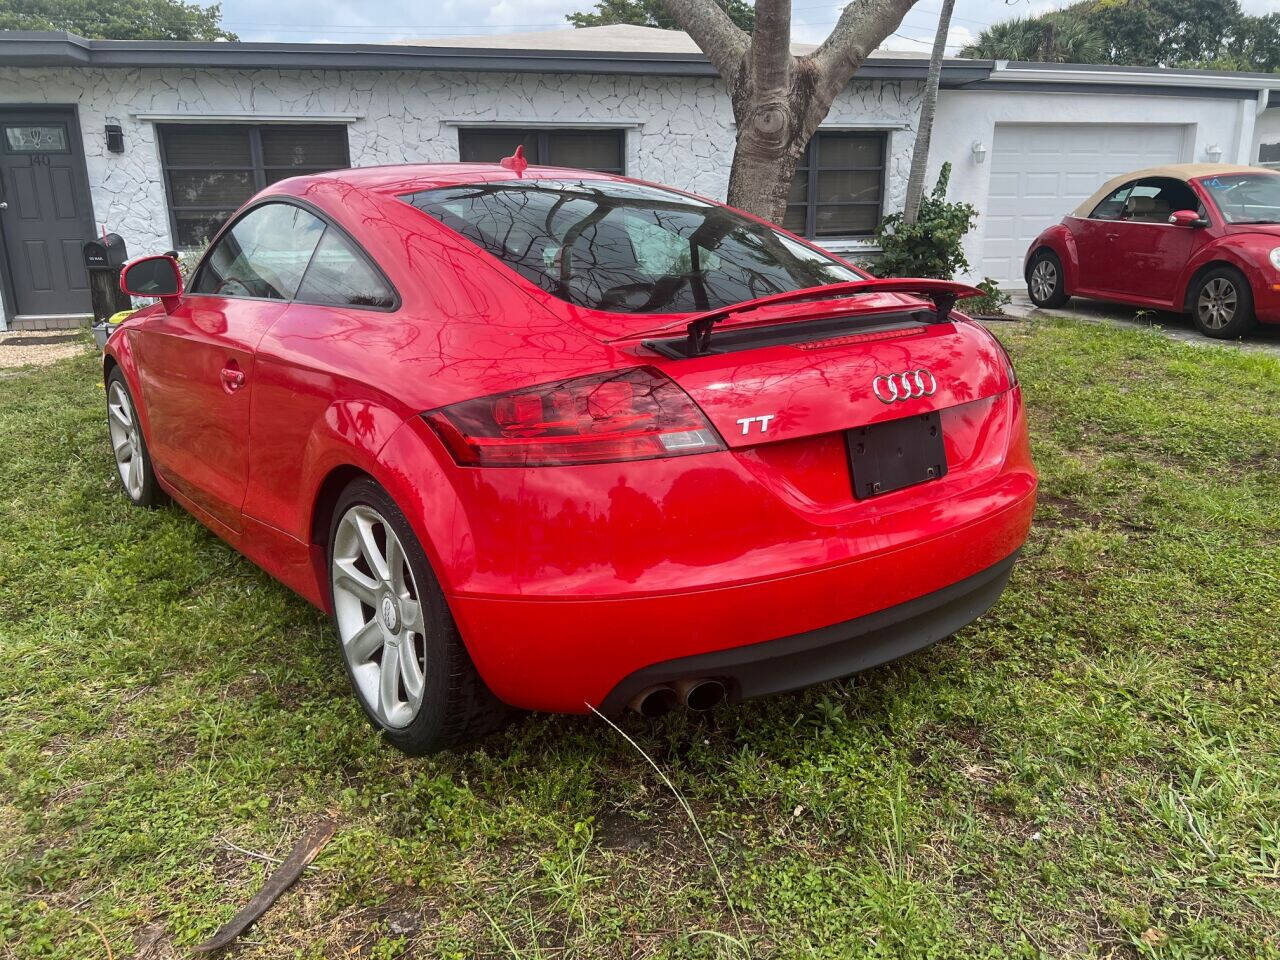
(761, 95)
(928, 105)
(759, 182)
(779, 100)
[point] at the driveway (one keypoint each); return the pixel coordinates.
(1265, 339)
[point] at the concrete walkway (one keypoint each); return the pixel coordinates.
(1265, 339)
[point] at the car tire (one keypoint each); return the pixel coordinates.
(1046, 284)
(429, 695)
(129, 446)
(1221, 304)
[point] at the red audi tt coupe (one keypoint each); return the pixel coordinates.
(559, 440)
(1197, 238)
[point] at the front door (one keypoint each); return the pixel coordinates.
(196, 366)
(45, 212)
(1153, 256)
(197, 363)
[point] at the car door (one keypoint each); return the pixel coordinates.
(1147, 252)
(197, 362)
(1157, 249)
(1095, 240)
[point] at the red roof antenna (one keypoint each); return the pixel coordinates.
(516, 161)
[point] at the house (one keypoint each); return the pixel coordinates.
(160, 141)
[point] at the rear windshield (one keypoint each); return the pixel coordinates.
(628, 248)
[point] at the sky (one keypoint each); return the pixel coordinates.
(374, 21)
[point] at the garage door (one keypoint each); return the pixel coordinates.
(1040, 172)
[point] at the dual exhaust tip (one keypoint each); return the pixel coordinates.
(699, 694)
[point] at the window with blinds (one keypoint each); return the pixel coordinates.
(600, 150)
(838, 190)
(210, 170)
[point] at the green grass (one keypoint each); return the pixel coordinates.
(1093, 769)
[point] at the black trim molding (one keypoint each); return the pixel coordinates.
(20, 48)
(805, 659)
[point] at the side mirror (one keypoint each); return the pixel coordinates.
(153, 277)
(1187, 218)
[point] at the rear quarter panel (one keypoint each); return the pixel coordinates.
(1061, 241)
(333, 385)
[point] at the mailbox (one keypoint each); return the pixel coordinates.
(105, 254)
(103, 259)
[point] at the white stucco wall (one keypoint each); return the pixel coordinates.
(680, 130)
(1266, 129)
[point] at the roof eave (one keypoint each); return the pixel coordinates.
(33, 49)
(1110, 74)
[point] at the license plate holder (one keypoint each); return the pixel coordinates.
(888, 456)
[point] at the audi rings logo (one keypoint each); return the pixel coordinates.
(897, 387)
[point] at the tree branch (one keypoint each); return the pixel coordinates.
(862, 27)
(711, 29)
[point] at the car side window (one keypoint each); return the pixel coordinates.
(340, 276)
(1112, 206)
(263, 255)
(1152, 200)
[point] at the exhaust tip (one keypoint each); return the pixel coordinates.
(700, 695)
(653, 702)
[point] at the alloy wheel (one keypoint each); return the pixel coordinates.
(125, 441)
(1216, 305)
(379, 614)
(1044, 280)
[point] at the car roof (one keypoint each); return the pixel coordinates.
(1173, 171)
(395, 179)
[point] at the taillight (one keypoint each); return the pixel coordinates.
(1004, 352)
(636, 414)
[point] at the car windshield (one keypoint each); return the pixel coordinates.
(1246, 197)
(628, 248)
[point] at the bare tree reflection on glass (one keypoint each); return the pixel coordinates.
(628, 248)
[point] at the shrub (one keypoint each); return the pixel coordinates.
(930, 247)
(989, 305)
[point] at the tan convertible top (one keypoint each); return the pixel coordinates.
(1174, 171)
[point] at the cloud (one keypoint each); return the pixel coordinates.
(959, 36)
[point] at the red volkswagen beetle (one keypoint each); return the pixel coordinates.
(566, 440)
(1197, 238)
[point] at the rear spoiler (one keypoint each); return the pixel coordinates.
(943, 294)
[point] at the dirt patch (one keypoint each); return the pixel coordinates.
(406, 914)
(1068, 514)
(151, 943)
(622, 830)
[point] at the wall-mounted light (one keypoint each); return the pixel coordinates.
(1213, 152)
(979, 151)
(115, 137)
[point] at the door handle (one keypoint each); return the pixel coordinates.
(232, 379)
(4, 204)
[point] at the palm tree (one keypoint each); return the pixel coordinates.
(928, 103)
(1019, 39)
(1052, 38)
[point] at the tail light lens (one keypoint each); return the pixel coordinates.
(1004, 352)
(637, 414)
(1008, 361)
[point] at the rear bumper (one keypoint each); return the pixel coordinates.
(816, 656)
(561, 655)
